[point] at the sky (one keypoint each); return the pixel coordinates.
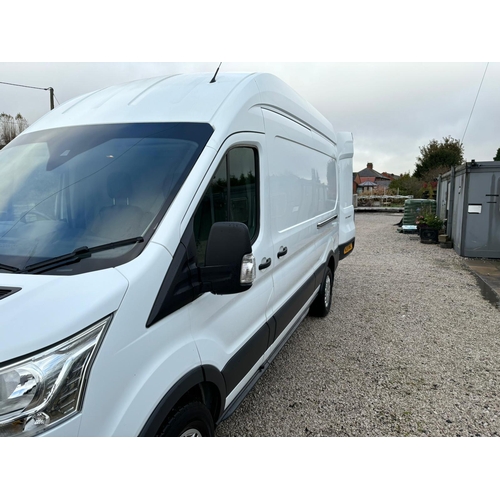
(396, 79)
(392, 109)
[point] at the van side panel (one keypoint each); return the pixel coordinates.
(303, 188)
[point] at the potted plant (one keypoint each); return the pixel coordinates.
(429, 225)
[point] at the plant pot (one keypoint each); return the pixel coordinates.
(429, 235)
(420, 227)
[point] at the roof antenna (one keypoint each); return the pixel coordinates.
(213, 79)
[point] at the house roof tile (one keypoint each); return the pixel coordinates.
(369, 172)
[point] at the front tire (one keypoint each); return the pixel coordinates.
(190, 420)
(323, 302)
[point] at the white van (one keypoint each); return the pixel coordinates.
(159, 242)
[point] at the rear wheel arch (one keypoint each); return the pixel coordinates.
(332, 263)
(322, 303)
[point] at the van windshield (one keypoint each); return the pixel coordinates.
(87, 186)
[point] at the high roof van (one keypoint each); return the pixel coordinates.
(160, 241)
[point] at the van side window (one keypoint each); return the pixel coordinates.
(231, 196)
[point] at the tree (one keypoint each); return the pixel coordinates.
(10, 127)
(497, 157)
(438, 157)
(407, 185)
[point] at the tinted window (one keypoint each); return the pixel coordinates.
(231, 196)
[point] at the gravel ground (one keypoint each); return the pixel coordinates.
(410, 348)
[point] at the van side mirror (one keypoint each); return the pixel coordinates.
(229, 261)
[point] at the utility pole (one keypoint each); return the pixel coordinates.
(38, 88)
(51, 90)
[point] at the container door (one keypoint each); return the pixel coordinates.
(482, 216)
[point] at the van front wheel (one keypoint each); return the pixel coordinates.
(323, 302)
(191, 420)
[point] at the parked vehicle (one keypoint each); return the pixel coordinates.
(159, 242)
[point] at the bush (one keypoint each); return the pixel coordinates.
(429, 220)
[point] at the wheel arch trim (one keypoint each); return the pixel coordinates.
(190, 380)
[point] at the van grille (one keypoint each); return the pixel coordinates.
(5, 292)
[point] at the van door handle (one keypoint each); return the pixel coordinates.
(282, 251)
(265, 263)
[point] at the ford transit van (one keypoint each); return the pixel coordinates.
(160, 241)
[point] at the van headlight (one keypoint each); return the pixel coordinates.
(46, 388)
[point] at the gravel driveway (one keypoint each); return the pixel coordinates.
(410, 348)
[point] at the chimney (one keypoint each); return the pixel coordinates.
(369, 165)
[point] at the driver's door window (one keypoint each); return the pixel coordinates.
(231, 196)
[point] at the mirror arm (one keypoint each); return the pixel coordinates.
(213, 275)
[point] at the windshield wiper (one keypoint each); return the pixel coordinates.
(77, 255)
(9, 268)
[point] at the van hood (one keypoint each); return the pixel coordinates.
(37, 311)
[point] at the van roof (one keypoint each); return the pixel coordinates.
(185, 98)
